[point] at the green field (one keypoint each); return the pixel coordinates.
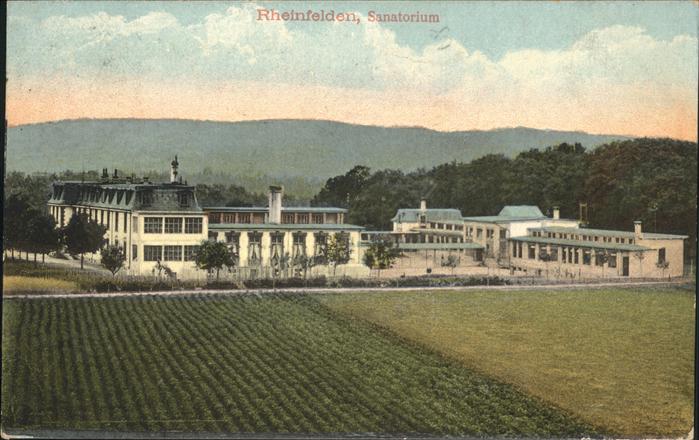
(278, 363)
(621, 359)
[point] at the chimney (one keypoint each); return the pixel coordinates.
(556, 213)
(105, 173)
(275, 204)
(173, 170)
(637, 231)
(423, 204)
(116, 174)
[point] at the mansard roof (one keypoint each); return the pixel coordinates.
(431, 215)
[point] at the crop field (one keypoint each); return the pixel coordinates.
(621, 359)
(278, 363)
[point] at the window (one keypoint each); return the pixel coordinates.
(228, 218)
(244, 218)
(303, 219)
(317, 219)
(321, 241)
(587, 257)
(554, 253)
(288, 218)
(489, 233)
(612, 260)
(277, 249)
(661, 255)
(183, 199)
(153, 225)
(193, 225)
(116, 221)
(254, 248)
(173, 225)
(173, 253)
(299, 248)
(479, 233)
(146, 198)
(576, 256)
(214, 217)
(134, 224)
(599, 258)
(190, 252)
(519, 250)
(233, 242)
(531, 251)
(152, 253)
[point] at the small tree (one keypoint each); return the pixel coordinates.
(113, 258)
(213, 256)
(82, 235)
(452, 261)
(42, 235)
(380, 255)
(338, 250)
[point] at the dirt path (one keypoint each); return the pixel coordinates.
(340, 290)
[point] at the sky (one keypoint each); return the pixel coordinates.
(603, 67)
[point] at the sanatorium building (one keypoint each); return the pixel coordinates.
(162, 224)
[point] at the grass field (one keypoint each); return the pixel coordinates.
(242, 364)
(622, 359)
(21, 284)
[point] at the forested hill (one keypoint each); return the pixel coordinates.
(274, 147)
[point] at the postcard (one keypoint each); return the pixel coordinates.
(385, 219)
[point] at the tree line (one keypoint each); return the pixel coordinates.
(647, 179)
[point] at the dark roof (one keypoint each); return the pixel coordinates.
(124, 195)
(431, 215)
(581, 243)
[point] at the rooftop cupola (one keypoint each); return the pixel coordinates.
(173, 170)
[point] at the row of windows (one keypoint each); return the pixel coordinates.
(167, 253)
(101, 216)
(569, 255)
(288, 218)
(446, 226)
(582, 237)
(172, 225)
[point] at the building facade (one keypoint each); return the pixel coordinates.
(162, 225)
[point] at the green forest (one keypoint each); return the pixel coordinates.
(652, 180)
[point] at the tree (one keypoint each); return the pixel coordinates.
(113, 258)
(43, 237)
(338, 250)
(214, 256)
(16, 213)
(452, 261)
(380, 255)
(342, 190)
(82, 235)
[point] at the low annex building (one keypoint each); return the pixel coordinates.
(564, 252)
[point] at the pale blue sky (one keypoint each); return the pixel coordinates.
(628, 67)
(489, 26)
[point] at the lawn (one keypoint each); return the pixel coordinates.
(621, 358)
(22, 284)
(278, 363)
